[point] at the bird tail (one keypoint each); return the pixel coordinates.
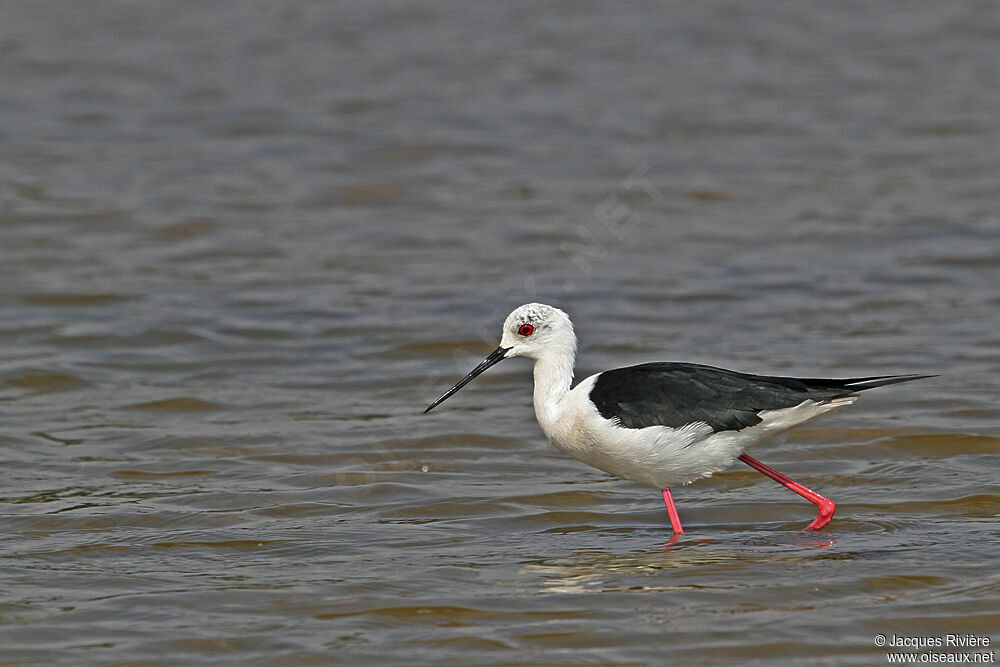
(861, 384)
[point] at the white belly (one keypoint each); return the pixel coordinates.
(660, 456)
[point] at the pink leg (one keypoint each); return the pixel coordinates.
(825, 505)
(675, 519)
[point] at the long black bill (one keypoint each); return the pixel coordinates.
(496, 356)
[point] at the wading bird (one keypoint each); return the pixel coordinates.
(665, 423)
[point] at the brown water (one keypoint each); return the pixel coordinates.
(243, 245)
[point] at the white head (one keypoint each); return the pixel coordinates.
(533, 330)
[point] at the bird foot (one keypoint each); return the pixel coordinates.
(826, 509)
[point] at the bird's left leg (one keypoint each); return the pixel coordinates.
(825, 505)
(675, 519)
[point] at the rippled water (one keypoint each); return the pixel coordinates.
(243, 245)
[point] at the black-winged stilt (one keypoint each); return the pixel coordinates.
(666, 423)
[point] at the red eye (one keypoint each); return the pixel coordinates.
(525, 329)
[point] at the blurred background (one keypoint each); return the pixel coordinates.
(244, 244)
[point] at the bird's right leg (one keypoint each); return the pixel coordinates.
(675, 519)
(825, 505)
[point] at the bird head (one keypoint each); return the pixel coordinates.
(533, 330)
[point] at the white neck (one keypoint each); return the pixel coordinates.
(553, 377)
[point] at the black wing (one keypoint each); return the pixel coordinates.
(677, 394)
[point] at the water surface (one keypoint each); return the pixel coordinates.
(243, 245)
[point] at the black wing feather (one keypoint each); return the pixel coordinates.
(677, 394)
